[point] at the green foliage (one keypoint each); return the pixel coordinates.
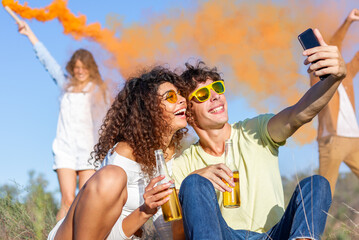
(31, 217)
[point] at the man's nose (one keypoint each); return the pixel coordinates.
(214, 95)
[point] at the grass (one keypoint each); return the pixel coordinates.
(343, 217)
(29, 217)
(29, 212)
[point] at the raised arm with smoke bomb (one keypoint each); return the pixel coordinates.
(83, 104)
(26, 30)
(48, 61)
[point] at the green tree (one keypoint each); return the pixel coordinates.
(30, 217)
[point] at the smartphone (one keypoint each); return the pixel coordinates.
(308, 40)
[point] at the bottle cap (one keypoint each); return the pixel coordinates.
(158, 152)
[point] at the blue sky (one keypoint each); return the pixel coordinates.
(29, 99)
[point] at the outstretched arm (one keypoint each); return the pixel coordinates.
(43, 55)
(353, 66)
(339, 35)
(26, 30)
(324, 60)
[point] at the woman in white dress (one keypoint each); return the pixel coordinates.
(147, 114)
(83, 105)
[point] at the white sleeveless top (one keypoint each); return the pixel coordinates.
(136, 183)
(75, 126)
(347, 125)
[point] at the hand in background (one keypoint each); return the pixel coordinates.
(325, 59)
(353, 15)
(26, 30)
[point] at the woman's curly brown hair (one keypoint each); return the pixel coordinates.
(136, 117)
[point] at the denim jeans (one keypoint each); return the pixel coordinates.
(304, 217)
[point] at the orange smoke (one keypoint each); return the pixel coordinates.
(253, 44)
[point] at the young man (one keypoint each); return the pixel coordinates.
(256, 141)
(338, 130)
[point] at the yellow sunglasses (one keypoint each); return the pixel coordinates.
(171, 96)
(204, 93)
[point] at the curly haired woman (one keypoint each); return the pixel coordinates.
(147, 114)
(83, 106)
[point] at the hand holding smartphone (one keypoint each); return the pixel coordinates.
(308, 40)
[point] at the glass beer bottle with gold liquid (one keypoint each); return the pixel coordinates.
(171, 209)
(231, 199)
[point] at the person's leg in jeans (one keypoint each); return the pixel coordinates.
(202, 218)
(306, 214)
(304, 217)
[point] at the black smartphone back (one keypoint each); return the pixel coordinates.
(308, 40)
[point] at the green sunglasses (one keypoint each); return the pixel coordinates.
(204, 93)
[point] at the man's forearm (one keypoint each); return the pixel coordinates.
(285, 123)
(314, 100)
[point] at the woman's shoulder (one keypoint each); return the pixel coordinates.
(122, 155)
(123, 149)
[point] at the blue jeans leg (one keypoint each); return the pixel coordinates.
(306, 213)
(305, 216)
(202, 218)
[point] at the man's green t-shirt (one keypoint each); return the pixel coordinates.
(256, 156)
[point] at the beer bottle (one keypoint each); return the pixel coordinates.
(171, 209)
(231, 199)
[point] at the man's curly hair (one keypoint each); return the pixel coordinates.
(194, 75)
(136, 117)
